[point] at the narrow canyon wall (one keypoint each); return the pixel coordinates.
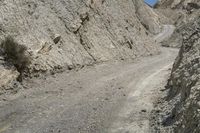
(72, 33)
(181, 4)
(181, 12)
(185, 81)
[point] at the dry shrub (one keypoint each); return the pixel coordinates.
(15, 53)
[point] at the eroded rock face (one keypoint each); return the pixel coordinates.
(183, 4)
(180, 11)
(74, 33)
(89, 30)
(7, 75)
(185, 81)
(185, 11)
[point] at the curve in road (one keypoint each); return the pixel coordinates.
(111, 97)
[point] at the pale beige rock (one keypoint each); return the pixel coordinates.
(75, 33)
(7, 75)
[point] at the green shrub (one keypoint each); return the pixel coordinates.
(15, 53)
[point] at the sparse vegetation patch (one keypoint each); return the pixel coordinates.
(15, 53)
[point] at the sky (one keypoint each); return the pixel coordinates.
(151, 2)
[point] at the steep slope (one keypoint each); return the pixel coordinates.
(181, 12)
(177, 4)
(184, 82)
(70, 34)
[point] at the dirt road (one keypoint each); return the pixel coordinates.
(104, 98)
(108, 98)
(166, 33)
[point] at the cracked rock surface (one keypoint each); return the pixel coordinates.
(184, 82)
(70, 34)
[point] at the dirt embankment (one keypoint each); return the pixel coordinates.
(184, 81)
(70, 34)
(183, 101)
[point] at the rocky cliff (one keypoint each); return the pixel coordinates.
(185, 80)
(181, 12)
(179, 4)
(69, 34)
